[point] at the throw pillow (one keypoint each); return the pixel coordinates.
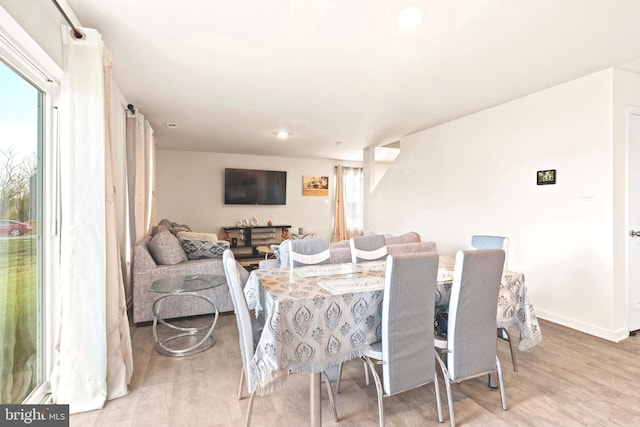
(165, 249)
(179, 229)
(193, 235)
(198, 248)
(175, 227)
(158, 229)
(166, 224)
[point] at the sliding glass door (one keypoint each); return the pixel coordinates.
(21, 360)
(29, 240)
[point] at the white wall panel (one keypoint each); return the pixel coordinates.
(477, 175)
(190, 188)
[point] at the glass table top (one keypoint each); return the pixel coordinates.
(189, 283)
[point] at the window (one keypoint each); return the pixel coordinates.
(28, 243)
(353, 200)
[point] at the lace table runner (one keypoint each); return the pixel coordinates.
(355, 284)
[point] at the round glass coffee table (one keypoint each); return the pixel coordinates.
(184, 286)
(266, 250)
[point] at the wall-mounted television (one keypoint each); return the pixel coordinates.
(255, 187)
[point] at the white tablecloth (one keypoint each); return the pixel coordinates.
(308, 328)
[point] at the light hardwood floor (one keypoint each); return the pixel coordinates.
(569, 379)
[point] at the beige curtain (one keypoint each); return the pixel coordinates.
(93, 358)
(141, 175)
(150, 146)
(339, 224)
(348, 217)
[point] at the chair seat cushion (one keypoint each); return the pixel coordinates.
(374, 351)
(440, 343)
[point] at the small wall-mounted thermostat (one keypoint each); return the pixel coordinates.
(546, 177)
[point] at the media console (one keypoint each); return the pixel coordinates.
(245, 240)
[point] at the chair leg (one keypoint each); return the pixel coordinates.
(447, 383)
(436, 385)
(501, 384)
(241, 384)
(367, 381)
(332, 400)
(505, 331)
(247, 422)
(339, 380)
(376, 378)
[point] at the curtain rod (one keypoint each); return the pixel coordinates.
(76, 33)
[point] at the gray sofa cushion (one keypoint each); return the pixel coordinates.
(165, 249)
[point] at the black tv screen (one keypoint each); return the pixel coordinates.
(255, 187)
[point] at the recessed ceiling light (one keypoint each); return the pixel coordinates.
(282, 134)
(410, 18)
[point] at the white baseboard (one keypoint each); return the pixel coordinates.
(615, 335)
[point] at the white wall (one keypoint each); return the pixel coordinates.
(190, 190)
(477, 175)
(42, 21)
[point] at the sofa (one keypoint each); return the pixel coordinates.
(174, 250)
(340, 252)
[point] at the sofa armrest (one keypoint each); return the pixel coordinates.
(410, 237)
(142, 259)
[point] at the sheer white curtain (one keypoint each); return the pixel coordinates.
(93, 352)
(353, 200)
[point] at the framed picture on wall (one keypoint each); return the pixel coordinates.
(315, 185)
(546, 177)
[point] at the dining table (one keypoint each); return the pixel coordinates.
(319, 316)
(515, 309)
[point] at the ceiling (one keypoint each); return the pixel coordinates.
(230, 74)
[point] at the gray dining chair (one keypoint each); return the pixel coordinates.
(248, 326)
(497, 242)
(470, 348)
(406, 350)
(313, 252)
(248, 337)
(308, 252)
(368, 248)
(371, 247)
(491, 242)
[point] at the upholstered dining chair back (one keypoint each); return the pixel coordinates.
(368, 248)
(407, 332)
(243, 316)
(470, 348)
(471, 339)
(491, 242)
(246, 331)
(308, 252)
(497, 242)
(406, 349)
